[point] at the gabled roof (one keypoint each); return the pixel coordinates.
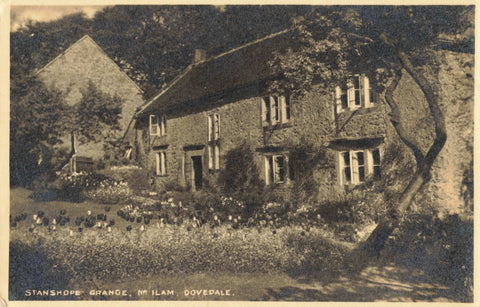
(244, 65)
(87, 38)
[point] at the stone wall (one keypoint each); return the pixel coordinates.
(83, 62)
(456, 91)
(312, 123)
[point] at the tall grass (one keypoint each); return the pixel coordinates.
(119, 255)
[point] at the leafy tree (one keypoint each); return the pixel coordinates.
(34, 45)
(36, 125)
(384, 42)
(95, 118)
(155, 43)
(40, 120)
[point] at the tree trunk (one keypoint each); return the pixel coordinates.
(376, 242)
(72, 152)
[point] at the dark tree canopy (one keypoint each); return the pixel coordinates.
(153, 44)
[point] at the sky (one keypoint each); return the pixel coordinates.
(21, 14)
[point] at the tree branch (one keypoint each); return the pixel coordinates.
(395, 119)
(433, 103)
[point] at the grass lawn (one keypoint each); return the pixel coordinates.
(21, 203)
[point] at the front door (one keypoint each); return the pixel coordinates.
(197, 172)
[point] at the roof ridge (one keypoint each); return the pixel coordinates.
(189, 67)
(259, 40)
(86, 36)
(62, 53)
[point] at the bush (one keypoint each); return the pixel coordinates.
(240, 177)
(109, 192)
(443, 247)
(92, 186)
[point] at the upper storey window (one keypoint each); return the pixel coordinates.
(158, 125)
(354, 94)
(276, 110)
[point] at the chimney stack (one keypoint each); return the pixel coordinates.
(200, 55)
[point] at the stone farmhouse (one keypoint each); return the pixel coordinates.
(221, 102)
(71, 71)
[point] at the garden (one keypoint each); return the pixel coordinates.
(106, 231)
(107, 235)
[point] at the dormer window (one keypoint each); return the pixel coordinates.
(354, 94)
(158, 125)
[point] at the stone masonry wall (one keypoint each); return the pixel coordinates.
(312, 122)
(84, 61)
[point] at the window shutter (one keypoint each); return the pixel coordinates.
(267, 170)
(263, 110)
(340, 168)
(164, 163)
(209, 124)
(361, 82)
(217, 157)
(217, 126)
(366, 91)
(368, 161)
(338, 99)
(157, 163)
(150, 124)
(288, 108)
(350, 94)
(354, 166)
(210, 157)
(164, 125)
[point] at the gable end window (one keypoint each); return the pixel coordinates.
(158, 125)
(276, 110)
(354, 94)
(355, 166)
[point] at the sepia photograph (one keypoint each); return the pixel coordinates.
(319, 153)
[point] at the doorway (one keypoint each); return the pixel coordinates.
(197, 172)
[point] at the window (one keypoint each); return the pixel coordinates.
(356, 165)
(213, 127)
(356, 93)
(213, 146)
(276, 109)
(213, 156)
(277, 169)
(161, 163)
(158, 125)
(154, 126)
(376, 164)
